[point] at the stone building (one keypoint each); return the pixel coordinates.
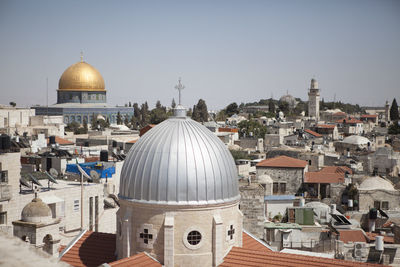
(179, 196)
(313, 100)
(38, 227)
(377, 192)
(286, 172)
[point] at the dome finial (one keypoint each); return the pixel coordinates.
(179, 87)
(81, 56)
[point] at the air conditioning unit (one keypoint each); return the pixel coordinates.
(360, 250)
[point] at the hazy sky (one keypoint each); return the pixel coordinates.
(224, 51)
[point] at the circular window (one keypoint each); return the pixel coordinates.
(194, 238)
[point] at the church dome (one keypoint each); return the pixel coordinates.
(81, 76)
(36, 212)
(376, 183)
(179, 162)
(289, 99)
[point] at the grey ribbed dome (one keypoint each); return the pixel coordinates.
(179, 162)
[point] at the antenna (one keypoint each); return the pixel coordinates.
(47, 97)
(81, 56)
(179, 87)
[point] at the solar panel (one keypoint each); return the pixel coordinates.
(341, 219)
(383, 214)
(51, 178)
(24, 183)
(34, 180)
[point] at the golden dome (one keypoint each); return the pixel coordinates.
(81, 76)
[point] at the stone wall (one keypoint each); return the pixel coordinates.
(292, 176)
(367, 198)
(253, 208)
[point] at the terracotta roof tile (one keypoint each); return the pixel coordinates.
(253, 244)
(92, 249)
(349, 121)
(352, 236)
(313, 133)
(337, 169)
(230, 130)
(386, 239)
(339, 113)
(61, 141)
(369, 116)
(138, 260)
(324, 177)
(132, 141)
(245, 258)
(328, 126)
(283, 162)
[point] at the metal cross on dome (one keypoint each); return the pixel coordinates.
(179, 87)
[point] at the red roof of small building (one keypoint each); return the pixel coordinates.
(349, 121)
(386, 239)
(282, 162)
(339, 113)
(253, 244)
(368, 116)
(323, 178)
(337, 169)
(352, 236)
(146, 128)
(92, 249)
(138, 260)
(242, 257)
(230, 130)
(132, 141)
(329, 126)
(313, 133)
(61, 141)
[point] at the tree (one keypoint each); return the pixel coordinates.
(200, 112)
(158, 104)
(119, 118)
(283, 106)
(173, 104)
(158, 115)
(271, 106)
(145, 116)
(94, 122)
(85, 125)
(126, 120)
(136, 111)
(394, 128)
(13, 104)
(130, 104)
(232, 109)
(252, 128)
(394, 111)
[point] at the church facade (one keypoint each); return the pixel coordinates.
(81, 95)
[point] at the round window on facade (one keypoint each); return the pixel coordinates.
(194, 238)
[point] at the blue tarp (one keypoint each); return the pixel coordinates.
(87, 167)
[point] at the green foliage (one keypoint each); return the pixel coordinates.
(250, 126)
(119, 118)
(13, 104)
(394, 111)
(76, 128)
(239, 154)
(158, 114)
(232, 109)
(271, 106)
(394, 128)
(284, 107)
(200, 112)
(173, 104)
(126, 120)
(145, 114)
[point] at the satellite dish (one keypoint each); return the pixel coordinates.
(94, 175)
(53, 172)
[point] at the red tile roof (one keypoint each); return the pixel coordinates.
(283, 162)
(146, 128)
(386, 239)
(253, 244)
(337, 169)
(339, 113)
(132, 141)
(324, 178)
(230, 130)
(138, 260)
(367, 116)
(62, 141)
(313, 133)
(352, 236)
(92, 249)
(349, 121)
(328, 126)
(241, 257)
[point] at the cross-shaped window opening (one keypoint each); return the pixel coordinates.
(231, 232)
(146, 236)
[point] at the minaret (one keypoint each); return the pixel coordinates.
(313, 100)
(387, 111)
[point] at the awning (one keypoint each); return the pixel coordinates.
(51, 199)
